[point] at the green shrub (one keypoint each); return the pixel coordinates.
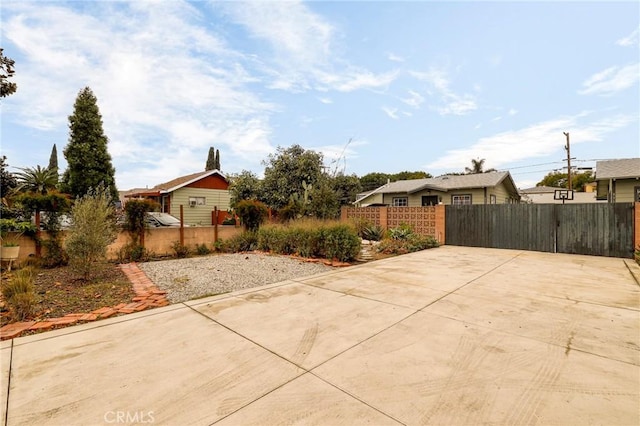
(252, 213)
(290, 212)
(132, 252)
(94, 228)
(19, 294)
(410, 244)
(202, 249)
(180, 250)
(341, 242)
(309, 242)
(54, 254)
(277, 239)
(311, 238)
(246, 241)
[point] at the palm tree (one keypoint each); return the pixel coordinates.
(36, 179)
(477, 166)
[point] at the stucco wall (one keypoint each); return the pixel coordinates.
(158, 240)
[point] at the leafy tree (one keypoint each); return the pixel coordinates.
(374, 180)
(93, 229)
(407, 175)
(579, 180)
(346, 187)
(89, 161)
(561, 180)
(8, 181)
(323, 200)
(6, 72)
(211, 159)
(244, 186)
(554, 179)
(477, 166)
(36, 179)
(53, 161)
(285, 172)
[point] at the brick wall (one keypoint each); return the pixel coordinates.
(428, 221)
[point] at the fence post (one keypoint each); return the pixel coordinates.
(215, 224)
(384, 217)
(181, 225)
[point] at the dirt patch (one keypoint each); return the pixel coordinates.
(60, 291)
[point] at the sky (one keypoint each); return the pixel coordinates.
(373, 86)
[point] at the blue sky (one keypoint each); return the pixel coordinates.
(374, 86)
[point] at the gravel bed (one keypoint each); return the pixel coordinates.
(192, 278)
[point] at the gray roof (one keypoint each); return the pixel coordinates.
(443, 183)
(540, 190)
(618, 169)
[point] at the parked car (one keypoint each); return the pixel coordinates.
(157, 219)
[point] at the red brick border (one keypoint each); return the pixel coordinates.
(147, 296)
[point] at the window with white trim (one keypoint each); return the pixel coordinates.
(461, 200)
(197, 201)
(399, 201)
(492, 199)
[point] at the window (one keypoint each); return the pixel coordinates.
(461, 200)
(399, 202)
(492, 199)
(636, 192)
(197, 201)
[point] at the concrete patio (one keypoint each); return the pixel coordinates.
(454, 335)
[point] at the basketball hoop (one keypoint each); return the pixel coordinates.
(563, 194)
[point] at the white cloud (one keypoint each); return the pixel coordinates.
(303, 42)
(325, 101)
(534, 141)
(391, 112)
(357, 79)
(512, 111)
(414, 100)
(162, 93)
(498, 118)
(630, 40)
(450, 102)
(395, 58)
(611, 80)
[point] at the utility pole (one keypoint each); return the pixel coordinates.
(568, 149)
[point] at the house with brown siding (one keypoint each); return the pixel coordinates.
(198, 193)
(618, 180)
(480, 188)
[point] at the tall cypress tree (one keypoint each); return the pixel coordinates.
(89, 162)
(217, 160)
(211, 160)
(53, 161)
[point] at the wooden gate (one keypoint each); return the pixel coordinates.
(592, 229)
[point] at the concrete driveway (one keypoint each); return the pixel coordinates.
(454, 335)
